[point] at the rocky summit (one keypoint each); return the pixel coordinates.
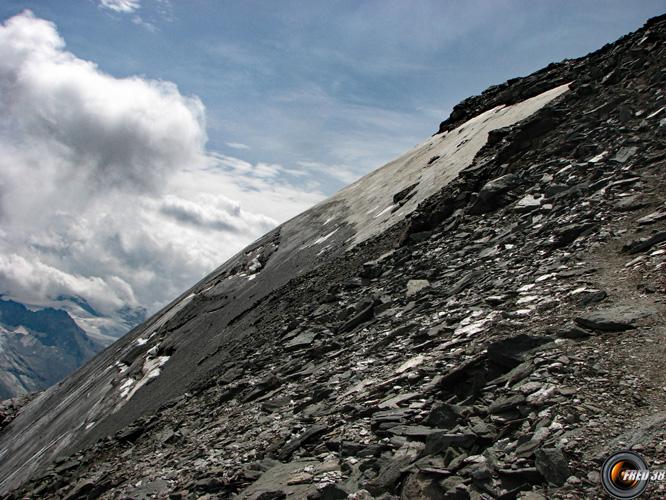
(483, 317)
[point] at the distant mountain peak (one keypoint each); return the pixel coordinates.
(39, 347)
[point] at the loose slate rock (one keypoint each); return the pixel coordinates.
(506, 404)
(572, 332)
(652, 218)
(643, 244)
(415, 286)
(552, 465)
(568, 234)
(508, 353)
(365, 314)
(302, 340)
(438, 442)
(272, 495)
(330, 492)
(624, 154)
(593, 297)
(391, 472)
(614, 319)
(492, 194)
(296, 443)
(444, 416)
(630, 203)
(463, 283)
(421, 486)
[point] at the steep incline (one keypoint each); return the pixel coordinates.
(377, 341)
(38, 348)
(178, 346)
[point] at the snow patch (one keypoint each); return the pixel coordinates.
(125, 387)
(387, 209)
(324, 238)
(255, 265)
(151, 369)
(324, 250)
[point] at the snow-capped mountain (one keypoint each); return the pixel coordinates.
(42, 344)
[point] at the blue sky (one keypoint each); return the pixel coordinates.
(144, 142)
(337, 86)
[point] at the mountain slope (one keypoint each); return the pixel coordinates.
(439, 327)
(40, 344)
(38, 348)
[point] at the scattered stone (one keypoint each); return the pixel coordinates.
(304, 438)
(568, 234)
(505, 404)
(652, 218)
(624, 154)
(463, 283)
(131, 433)
(393, 470)
(415, 286)
(572, 332)
(210, 485)
(444, 416)
(438, 442)
(304, 339)
(366, 313)
(595, 297)
(493, 194)
(552, 465)
(614, 319)
(510, 352)
(630, 203)
(644, 244)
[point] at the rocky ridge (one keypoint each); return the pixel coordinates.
(38, 348)
(498, 343)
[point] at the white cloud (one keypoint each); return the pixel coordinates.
(139, 21)
(34, 281)
(125, 6)
(342, 173)
(107, 189)
(217, 213)
(119, 133)
(237, 145)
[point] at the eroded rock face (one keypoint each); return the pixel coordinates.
(38, 348)
(480, 333)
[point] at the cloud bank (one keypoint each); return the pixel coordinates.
(107, 189)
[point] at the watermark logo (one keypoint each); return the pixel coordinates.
(626, 475)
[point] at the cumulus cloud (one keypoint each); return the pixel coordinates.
(125, 6)
(107, 189)
(118, 132)
(218, 213)
(34, 281)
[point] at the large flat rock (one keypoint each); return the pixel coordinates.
(615, 319)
